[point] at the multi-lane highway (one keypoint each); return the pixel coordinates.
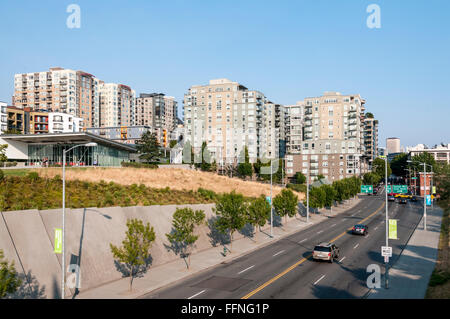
(285, 269)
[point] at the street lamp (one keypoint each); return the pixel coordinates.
(425, 191)
(386, 265)
(63, 279)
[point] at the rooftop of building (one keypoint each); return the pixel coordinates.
(66, 138)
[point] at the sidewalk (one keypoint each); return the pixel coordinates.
(174, 271)
(409, 277)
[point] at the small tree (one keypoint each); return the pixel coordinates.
(378, 167)
(203, 160)
(317, 197)
(148, 147)
(231, 211)
(286, 203)
(244, 167)
(371, 179)
(258, 212)
(9, 279)
(135, 250)
(330, 195)
(299, 178)
(184, 222)
(3, 148)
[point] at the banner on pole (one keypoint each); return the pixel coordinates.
(393, 229)
(58, 241)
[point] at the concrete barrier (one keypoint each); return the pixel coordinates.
(88, 234)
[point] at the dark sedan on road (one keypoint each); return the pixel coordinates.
(413, 199)
(391, 198)
(360, 230)
(403, 200)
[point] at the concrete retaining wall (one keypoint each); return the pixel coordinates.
(30, 239)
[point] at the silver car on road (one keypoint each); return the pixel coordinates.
(325, 251)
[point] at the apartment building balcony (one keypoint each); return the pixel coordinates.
(352, 128)
(308, 112)
(352, 116)
(314, 160)
(308, 118)
(307, 123)
(314, 172)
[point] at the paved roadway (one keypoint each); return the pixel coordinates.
(284, 269)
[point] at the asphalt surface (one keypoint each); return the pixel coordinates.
(285, 270)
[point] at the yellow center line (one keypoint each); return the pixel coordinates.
(303, 260)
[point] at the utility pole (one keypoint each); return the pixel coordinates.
(386, 263)
(271, 209)
(425, 196)
(307, 195)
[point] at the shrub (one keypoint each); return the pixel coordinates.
(34, 176)
(2, 175)
(301, 188)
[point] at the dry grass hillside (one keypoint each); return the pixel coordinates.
(175, 178)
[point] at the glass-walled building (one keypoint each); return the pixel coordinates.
(47, 149)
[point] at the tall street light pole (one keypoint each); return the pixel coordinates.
(386, 265)
(63, 264)
(307, 195)
(271, 209)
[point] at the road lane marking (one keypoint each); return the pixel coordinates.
(280, 252)
(333, 225)
(197, 294)
(356, 246)
(319, 232)
(301, 261)
(341, 260)
(323, 276)
(246, 269)
(303, 240)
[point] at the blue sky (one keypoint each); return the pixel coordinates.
(288, 50)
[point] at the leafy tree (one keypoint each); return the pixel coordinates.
(135, 250)
(205, 163)
(399, 163)
(320, 177)
(371, 178)
(276, 174)
(231, 211)
(330, 195)
(9, 278)
(378, 167)
(13, 131)
(299, 178)
(341, 192)
(3, 148)
(423, 158)
(317, 197)
(184, 222)
(173, 143)
(285, 203)
(369, 115)
(258, 212)
(188, 153)
(442, 178)
(244, 166)
(149, 148)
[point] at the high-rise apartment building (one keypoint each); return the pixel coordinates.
(59, 90)
(158, 111)
(3, 117)
(333, 138)
(371, 137)
(117, 105)
(228, 116)
(393, 145)
(294, 127)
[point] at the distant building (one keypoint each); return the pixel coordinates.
(122, 134)
(64, 123)
(117, 105)
(441, 153)
(393, 145)
(332, 141)
(371, 138)
(36, 149)
(3, 117)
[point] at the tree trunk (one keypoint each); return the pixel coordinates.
(131, 279)
(231, 241)
(189, 260)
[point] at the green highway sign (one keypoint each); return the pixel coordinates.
(367, 189)
(413, 177)
(398, 189)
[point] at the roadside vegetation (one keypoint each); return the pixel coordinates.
(439, 285)
(34, 192)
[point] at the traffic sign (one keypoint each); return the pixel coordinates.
(386, 251)
(413, 177)
(58, 241)
(398, 189)
(434, 189)
(269, 199)
(367, 189)
(393, 229)
(428, 200)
